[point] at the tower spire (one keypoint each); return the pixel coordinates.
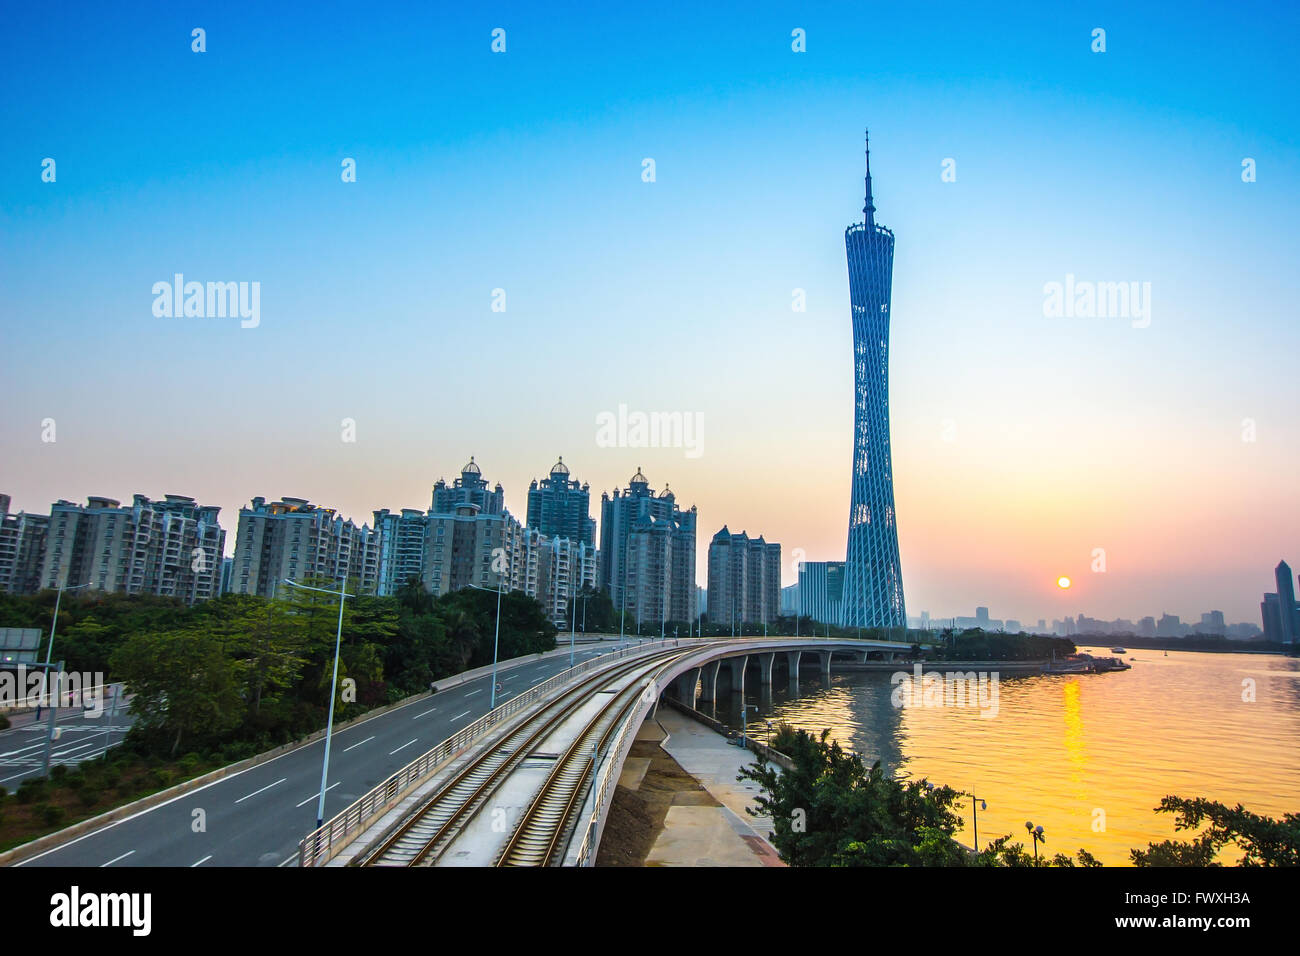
(869, 209)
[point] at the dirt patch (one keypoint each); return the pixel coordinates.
(636, 817)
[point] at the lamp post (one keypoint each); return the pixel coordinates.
(334, 683)
(50, 650)
(976, 805)
(1039, 837)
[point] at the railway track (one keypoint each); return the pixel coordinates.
(540, 836)
(422, 838)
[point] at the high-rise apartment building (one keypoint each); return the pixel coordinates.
(22, 549)
(873, 577)
(744, 579)
(469, 488)
(294, 539)
(560, 507)
(647, 553)
(168, 548)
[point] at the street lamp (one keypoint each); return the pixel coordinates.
(334, 683)
(976, 806)
(744, 719)
(1039, 837)
(50, 650)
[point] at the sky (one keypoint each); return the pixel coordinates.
(1022, 441)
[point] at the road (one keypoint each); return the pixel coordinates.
(257, 816)
(83, 735)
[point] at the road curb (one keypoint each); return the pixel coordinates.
(35, 847)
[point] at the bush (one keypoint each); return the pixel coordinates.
(190, 763)
(163, 777)
(87, 798)
(50, 815)
(4, 722)
(75, 781)
(29, 791)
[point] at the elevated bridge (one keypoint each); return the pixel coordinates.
(531, 783)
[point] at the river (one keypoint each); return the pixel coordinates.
(1088, 757)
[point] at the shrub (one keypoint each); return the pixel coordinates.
(29, 791)
(58, 772)
(190, 763)
(163, 777)
(50, 815)
(87, 798)
(4, 722)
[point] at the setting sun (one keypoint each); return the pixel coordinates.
(1063, 582)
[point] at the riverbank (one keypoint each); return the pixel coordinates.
(678, 802)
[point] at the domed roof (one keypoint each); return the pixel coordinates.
(638, 478)
(471, 468)
(560, 468)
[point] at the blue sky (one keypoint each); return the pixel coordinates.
(522, 171)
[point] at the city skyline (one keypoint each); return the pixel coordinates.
(1021, 442)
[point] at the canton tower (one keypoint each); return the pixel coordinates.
(873, 577)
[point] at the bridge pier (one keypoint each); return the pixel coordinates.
(685, 685)
(792, 659)
(826, 666)
(765, 662)
(709, 681)
(736, 669)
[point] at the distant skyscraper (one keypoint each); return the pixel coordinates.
(1279, 610)
(561, 508)
(873, 576)
(821, 590)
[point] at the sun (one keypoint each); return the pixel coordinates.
(1063, 583)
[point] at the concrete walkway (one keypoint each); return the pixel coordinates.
(711, 836)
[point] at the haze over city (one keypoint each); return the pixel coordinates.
(1021, 443)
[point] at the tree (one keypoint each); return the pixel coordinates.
(831, 810)
(184, 685)
(1262, 840)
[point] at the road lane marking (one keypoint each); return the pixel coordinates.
(201, 862)
(405, 745)
(473, 692)
(511, 677)
(358, 744)
(425, 714)
(256, 792)
(222, 782)
(459, 716)
(116, 858)
(317, 793)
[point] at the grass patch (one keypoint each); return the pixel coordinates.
(94, 787)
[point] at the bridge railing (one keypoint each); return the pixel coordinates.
(319, 846)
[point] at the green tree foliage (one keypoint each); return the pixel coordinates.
(241, 673)
(1261, 840)
(596, 613)
(831, 810)
(186, 687)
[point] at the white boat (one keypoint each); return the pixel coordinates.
(1118, 650)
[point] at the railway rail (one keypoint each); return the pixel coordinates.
(429, 831)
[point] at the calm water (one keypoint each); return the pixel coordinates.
(1061, 748)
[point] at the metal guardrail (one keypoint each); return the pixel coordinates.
(321, 845)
